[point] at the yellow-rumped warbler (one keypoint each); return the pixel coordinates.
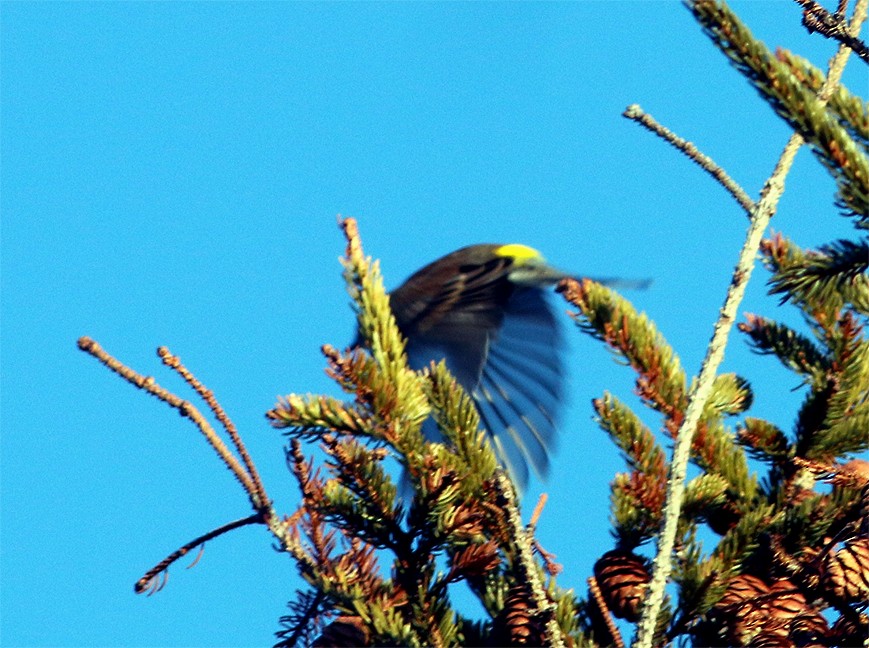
(485, 310)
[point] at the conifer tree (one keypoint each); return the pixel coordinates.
(788, 508)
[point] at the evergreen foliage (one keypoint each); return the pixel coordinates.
(775, 527)
(787, 508)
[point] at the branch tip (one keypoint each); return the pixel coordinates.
(635, 113)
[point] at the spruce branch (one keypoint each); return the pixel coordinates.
(661, 383)
(764, 440)
(404, 404)
(637, 497)
(362, 497)
(721, 25)
(349, 579)
(311, 416)
(636, 441)
(804, 112)
(831, 25)
(457, 508)
(307, 515)
(637, 114)
(853, 474)
(713, 450)
(852, 111)
(826, 278)
(637, 500)
(704, 493)
(305, 619)
(794, 350)
(606, 315)
(700, 585)
(731, 395)
(847, 417)
(459, 422)
(835, 414)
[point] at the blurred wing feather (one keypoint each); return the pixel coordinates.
(520, 391)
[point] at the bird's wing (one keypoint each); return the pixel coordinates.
(521, 387)
(503, 344)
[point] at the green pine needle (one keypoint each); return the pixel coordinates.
(795, 103)
(853, 112)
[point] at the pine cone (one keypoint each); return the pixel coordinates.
(809, 629)
(623, 578)
(740, 609)
(343, 632)
(767, 615)
(770, 639)
(846, 572)
(516, 624)
(786, 602)
(850, 630)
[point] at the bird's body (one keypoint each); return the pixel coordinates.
(486, 311)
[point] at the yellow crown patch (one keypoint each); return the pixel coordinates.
(518, 252)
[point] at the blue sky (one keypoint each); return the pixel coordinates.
(171, 174)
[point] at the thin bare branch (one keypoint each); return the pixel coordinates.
(644, 119)
(174, 362)
(185, 408)
(612, 628)
(155, 578)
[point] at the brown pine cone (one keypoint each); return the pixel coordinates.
(742, 588)
(767, 615)
(786, 602)
(516, 624)
(809, 629)
(770, 639)
(846, 572)
(623, 578)
(742, 610)
(850, 630)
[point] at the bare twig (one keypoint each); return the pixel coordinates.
(764, 209)
(185, 408)
(552, 567)
(248, 477)
(832, 25)
(637, 114)
(154, 580)
(538, 509)
(612, 628)
(174, 362)
(351, 233)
